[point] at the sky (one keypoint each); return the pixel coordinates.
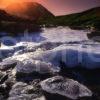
(60, 7)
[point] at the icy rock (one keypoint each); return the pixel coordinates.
(71, 55)
(6, 64)
(30, 66)
(65, 87)
(21, 91)
(31, 47)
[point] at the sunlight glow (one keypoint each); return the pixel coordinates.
(5, 3)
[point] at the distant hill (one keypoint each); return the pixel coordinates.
(4, 16)
(29, 10)
(12, 24)
(18, 17)
(87, 18)
(35, 13)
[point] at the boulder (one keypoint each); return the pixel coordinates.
(22, 91)
(20, 57)
(29, 66)
(7, 64)
(65, 87)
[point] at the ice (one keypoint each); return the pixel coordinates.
(55, 45)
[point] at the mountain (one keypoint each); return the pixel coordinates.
(4, 16)
(28, 10)
(87, 18)
(18, 17)
(12, 24)
(34, 13)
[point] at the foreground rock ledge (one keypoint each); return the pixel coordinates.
(65, 87)
(23, 91)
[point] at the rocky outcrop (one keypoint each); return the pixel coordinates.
(8, 64)
(31, 66)
(65, 87)
(23, 91)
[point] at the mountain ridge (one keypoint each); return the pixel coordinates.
(29, 10)
(89, 18)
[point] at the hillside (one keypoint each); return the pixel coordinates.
(87, 18)
(6, 17)
(29, 10)
(14, 24)
(34, 13)
(18, 17)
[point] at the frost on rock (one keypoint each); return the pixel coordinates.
(30, 66)
(65, 87)
(71, 55)
(7, 64)
(22, 91)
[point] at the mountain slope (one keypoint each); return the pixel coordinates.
(87, 18)
(34, 11)
(29, 10)
(13, 25)
(4, 16)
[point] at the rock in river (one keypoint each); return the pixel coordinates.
(29, 66)
(65, 87)
(6, 64)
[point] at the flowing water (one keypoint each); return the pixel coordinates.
(73, 41)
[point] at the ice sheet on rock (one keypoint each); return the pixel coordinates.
(72, 55)
(30, 66)
(65, 87)
(20, 91)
